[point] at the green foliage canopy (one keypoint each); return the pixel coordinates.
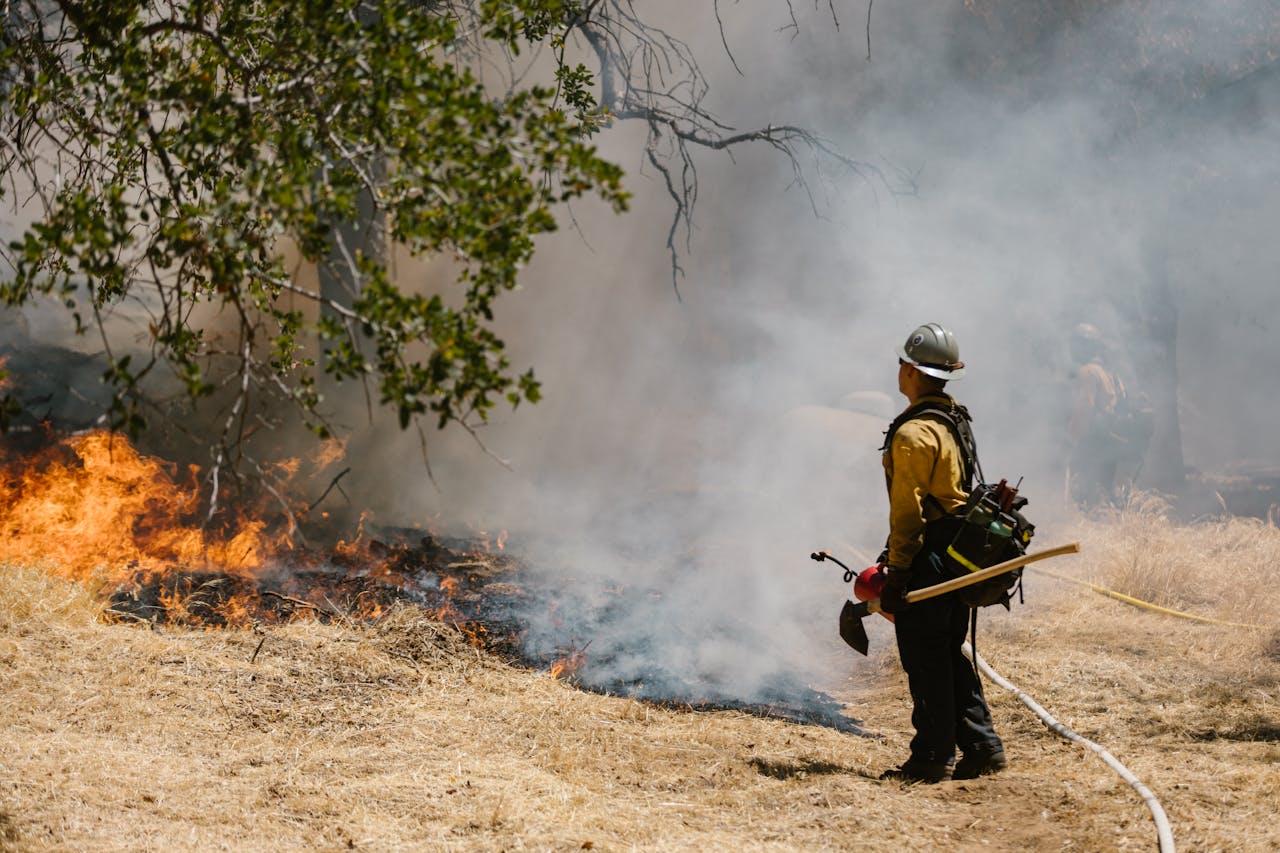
(168, 147)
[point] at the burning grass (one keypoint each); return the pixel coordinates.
(91, 506)
(96, 511)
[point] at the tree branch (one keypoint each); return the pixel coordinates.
(636, 60)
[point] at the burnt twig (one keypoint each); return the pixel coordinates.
(254, 656)
(332, 484)
(298, 602)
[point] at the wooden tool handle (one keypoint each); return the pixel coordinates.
(998, 569)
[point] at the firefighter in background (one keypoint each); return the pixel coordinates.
(1108, 432)
(927, 476)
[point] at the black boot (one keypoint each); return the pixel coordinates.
(913, 772)
(977, 764)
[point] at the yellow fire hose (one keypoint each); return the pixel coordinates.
(1145, 605)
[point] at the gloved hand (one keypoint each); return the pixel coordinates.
(893, 595)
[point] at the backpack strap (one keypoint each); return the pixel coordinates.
(957, 419)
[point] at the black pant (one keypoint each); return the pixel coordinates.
(949, 709)
(1093, 476)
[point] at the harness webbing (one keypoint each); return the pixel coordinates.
(957, 419)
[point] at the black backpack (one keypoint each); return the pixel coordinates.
(988, 529)
(1122, 434)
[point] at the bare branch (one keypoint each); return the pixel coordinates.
(471, 430)
(649, 75)
(332, 485)
(681, 212)
(724, 40)
(870, 3)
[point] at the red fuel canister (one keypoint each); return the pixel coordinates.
(867, 585)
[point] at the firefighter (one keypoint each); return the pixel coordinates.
(1108, 433)
(925, 470)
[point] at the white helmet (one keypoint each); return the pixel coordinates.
(933, 350)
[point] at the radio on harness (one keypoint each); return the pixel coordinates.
(988, 529)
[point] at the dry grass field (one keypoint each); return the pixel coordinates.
(400, 736)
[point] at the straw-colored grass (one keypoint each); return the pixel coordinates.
(400, 736)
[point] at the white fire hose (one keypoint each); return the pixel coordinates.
(1164, 832)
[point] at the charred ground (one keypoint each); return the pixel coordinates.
(469, 586)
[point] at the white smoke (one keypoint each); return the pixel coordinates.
(1034, 172)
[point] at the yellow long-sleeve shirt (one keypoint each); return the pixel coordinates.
(1097, 392)
(923, 459)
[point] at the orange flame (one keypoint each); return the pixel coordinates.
(330, 451)
(92, 509)
(486, 542)
(568, 666)
(104, 510)
(354, 547)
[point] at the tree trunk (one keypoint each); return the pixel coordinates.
(364, 236)
(1164, 468)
